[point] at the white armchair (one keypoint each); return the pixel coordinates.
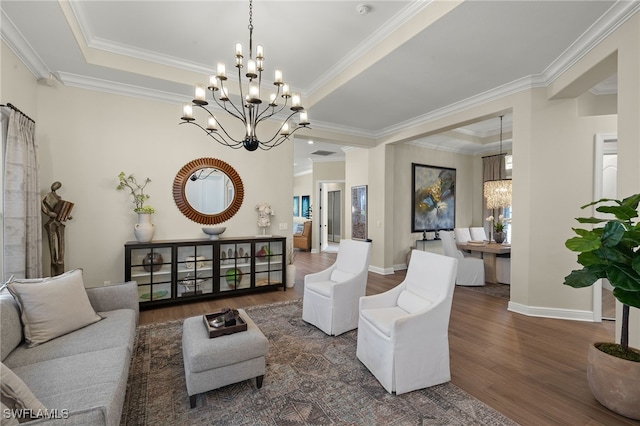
(403, 333)
(330, 300)
(470, 269)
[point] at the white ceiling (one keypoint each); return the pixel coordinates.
(367, 75)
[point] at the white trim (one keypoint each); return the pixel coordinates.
(599, 151)
(381, 271)
(21, 47)
(542, 312)
(400, 267)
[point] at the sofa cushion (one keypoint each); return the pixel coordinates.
(45, 306)
(11, 330)
(89, 388)
(16, 395)
(117, 329)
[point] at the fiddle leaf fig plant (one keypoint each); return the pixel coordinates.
(611, 252)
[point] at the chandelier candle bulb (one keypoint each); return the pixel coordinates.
(259, 52)
(285, 129)
(285, 91)
(251, 68)
(213, 83)
(296, 103)
(238, 50)
(254, 93)
(187, 112)
(211, 124)
(200, 94)
(222, 73)
(260, 64)
(304, 118)
(278, 77)
(224, 94)
(272, 100)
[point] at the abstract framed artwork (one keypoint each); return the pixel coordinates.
(359, 212)
(305, 212)
(433, 198)
(296, 206)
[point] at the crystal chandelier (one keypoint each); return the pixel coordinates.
(248, 108)
(498, 192)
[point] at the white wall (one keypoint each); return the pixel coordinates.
(303, 185)
(323, 172)
(86, 138)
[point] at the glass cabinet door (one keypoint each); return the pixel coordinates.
(235, 266)
(195, 270)
(151, 269)
(269, 263)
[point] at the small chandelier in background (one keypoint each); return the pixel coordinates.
(498, 192)
(249, 111)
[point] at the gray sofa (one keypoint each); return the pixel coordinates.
(84, 372)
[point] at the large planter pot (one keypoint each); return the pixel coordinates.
(144, 229)
(614, 382)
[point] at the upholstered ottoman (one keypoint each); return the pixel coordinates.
(210, 363)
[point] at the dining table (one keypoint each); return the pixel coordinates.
(488, 252)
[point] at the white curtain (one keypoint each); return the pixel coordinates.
(493, 168)
(22, 249)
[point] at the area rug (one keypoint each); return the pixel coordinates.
(496, 290)
(311, 379)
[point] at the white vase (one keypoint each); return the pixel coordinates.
(291, 275)
(144, 229)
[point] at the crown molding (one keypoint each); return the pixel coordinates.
(21, 47)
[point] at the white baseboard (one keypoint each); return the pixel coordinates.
(565, 314)
(381, 271)
(400, 267)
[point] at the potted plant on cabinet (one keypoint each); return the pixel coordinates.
(612, 252)
(144, 229)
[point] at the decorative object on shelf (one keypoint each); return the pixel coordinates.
(230, 255)
(611, 252)
(264, 219)
(248, 112)
(497, 192)
(144, 229)
(156, 295)
(263, 253)
(233, 276)
(214, 232)
(152, 262)
(194, 261)
(497, 227)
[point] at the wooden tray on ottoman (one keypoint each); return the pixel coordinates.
(241, 325)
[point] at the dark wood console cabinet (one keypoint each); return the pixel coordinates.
(176, 271)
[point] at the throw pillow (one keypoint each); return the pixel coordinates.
(52, 307)
(17, 396)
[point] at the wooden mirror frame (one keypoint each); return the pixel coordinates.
(180, 182)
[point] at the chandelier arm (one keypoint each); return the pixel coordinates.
(216, 136)
(244, 108)
(241, 115)
(263, 117)
(268, 145)
(223, 106)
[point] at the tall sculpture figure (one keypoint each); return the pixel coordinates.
(58, 211)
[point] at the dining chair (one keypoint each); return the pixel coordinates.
(478, 233)
(470, 269)
(403, 336)
(462, 235)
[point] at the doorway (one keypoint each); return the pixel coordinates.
(605, 186)
(334, 207)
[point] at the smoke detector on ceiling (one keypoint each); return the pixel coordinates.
(363, 9)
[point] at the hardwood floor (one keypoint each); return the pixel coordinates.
(532, 370)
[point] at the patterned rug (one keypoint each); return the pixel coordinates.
(497, 290)
(311, 379)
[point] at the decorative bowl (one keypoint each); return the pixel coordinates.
(213, 232)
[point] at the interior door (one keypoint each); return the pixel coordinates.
(333, 216)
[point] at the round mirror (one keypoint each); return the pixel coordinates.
(208, 191)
